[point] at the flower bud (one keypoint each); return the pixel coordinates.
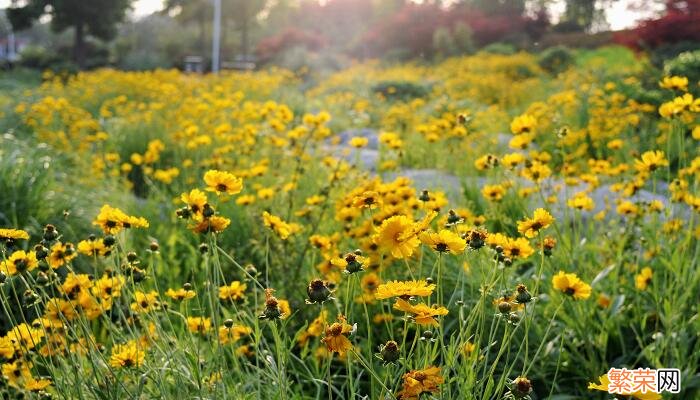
(318, 291)
(389, 352)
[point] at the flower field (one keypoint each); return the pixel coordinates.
(478, 228)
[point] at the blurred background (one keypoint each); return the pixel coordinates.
(325, 35)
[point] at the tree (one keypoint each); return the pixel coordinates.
(97, 18)
(189, 11)
(582, 15)
(242, 12)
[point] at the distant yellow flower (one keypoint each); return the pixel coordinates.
(627, 208)
(422, 313)
(215, 224)
(368, 199)
(233, 334)
(581, 201)
(643, 279)
(283, 229)
(444, 241)
(145, 302)
(180, 294)
(493, 192)
(417, 382)
(674, 82)
(359, 142)
(246, 199)
(530, 227)
(615, 144)
(198, 324)
(512, 160)
(335, 337)
(571, 285)
(234, 291)
(404, 289)
(222, 182)
(523, 124)
(468, 348)
(108, 286)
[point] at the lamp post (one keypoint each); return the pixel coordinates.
(216, 38)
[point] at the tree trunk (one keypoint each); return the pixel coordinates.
(244, 30)
(79, 46)
(202, 31)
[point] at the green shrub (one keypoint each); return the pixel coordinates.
(686, 64)
(556, 59)
(400, 90)
(505, 49)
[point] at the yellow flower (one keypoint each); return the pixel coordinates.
(493, 192)
(650, 161)
(417, 382)
(615, 144)
(422, 313)
(315, 328)
(512, 248)
(234, 291)
(643, 279)
(18, 374)
(108, 286)
(145, 302)
(444, 241)
(283, 229)
(13, 234)
(571, 285)
(112, 220)
(581, 201)
(180, 294)
(93, 248)
(213, 224)
(674, 82)
(19, 261)
(512, 160)
(195, 200)
(468, 348)
(368, 199)
(404, 289)
(335, 337)
(523, 124)
(233, 334)
(359, 142)
(61, 253)
(246, 199)
(127, 355)
(75, 283)
(222, 182)
(24, 337)
(397, 235)
(627, 208)
(198, 324)
(530, 227)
